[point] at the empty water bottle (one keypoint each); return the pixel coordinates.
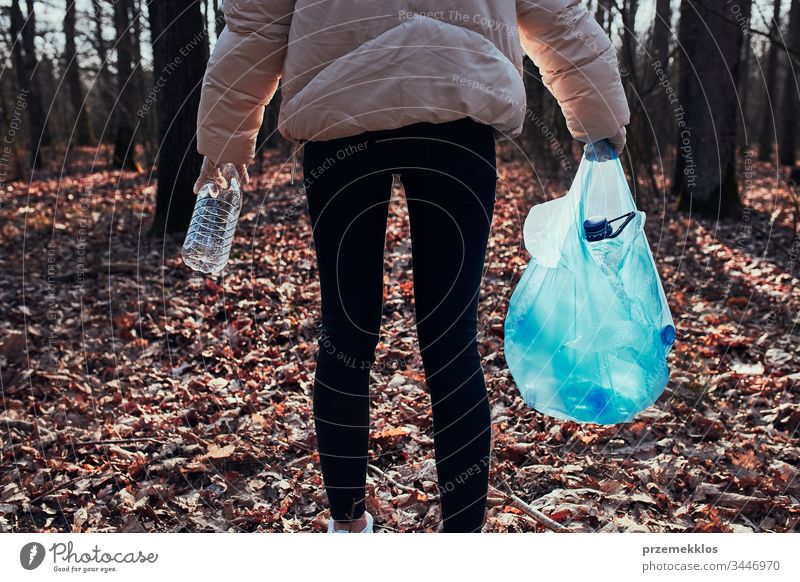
(606, 244)
(216, 212)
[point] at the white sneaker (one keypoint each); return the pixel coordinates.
(367, 529)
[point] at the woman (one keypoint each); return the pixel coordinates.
(421, 89)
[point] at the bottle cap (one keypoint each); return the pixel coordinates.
(596, 228)
(668, 335)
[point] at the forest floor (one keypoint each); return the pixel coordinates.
(139, 397)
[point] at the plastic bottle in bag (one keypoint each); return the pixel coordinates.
(216, 212)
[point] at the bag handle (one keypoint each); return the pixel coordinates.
(599, 227)
(627, 216)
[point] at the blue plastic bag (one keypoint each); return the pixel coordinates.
(588, 327)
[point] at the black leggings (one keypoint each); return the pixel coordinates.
(448, 172)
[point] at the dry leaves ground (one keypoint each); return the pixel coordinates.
(137, 397)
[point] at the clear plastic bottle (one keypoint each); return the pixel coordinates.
(216, 212)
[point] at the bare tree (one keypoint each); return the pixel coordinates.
(268, 135)
(100, 42)
(135, 17)
(767, 128)
(658, 101)
(599, 13)
(629, 39)
(603, 14)
(23, 32)
(744, 84)
(710, 63)
(535, 142)
(125, 107)
(17, 170)
(787, 144)
(219, 18)
(179, 62)
(82, 129)
(659, 43)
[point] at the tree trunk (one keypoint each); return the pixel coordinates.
(659, 100)
(146, 129)
(705, 172)
(659, 44)
(38, 117)
(219, 18)
(767, 129)
(787, 145)
(136, 47)
(25, 65)
(100, 43)
(743, 87)
(176, 26)
(268, 135)
(534, 127)
(629, 39)
(83, 134)
(17, 51)
(600, 13)
(16, 168)
(124, 141)
(206, 14)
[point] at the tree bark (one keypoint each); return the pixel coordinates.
(659, 51)
(767, 127)
(659, 45)
(219, 18)
(100, 43)
(206, 14)
(17, 169)
(600, 13)
(125, 140)
(603, 14)
(136, 46)
(39, 118)
(536, 143)
(744, 85)
(83, 134)
(180, 54)
(705, 173)
(787, 144)
(268, 135)
(23, 32)
(629, 39)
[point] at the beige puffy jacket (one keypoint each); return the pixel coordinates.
(350, 66)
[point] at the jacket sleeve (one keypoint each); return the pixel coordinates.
(241, 77)
(578, 64)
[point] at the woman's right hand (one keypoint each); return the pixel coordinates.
(618, 140)
(211, 172)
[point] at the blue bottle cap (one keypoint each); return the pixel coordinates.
(596, 228)
(668, 335)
